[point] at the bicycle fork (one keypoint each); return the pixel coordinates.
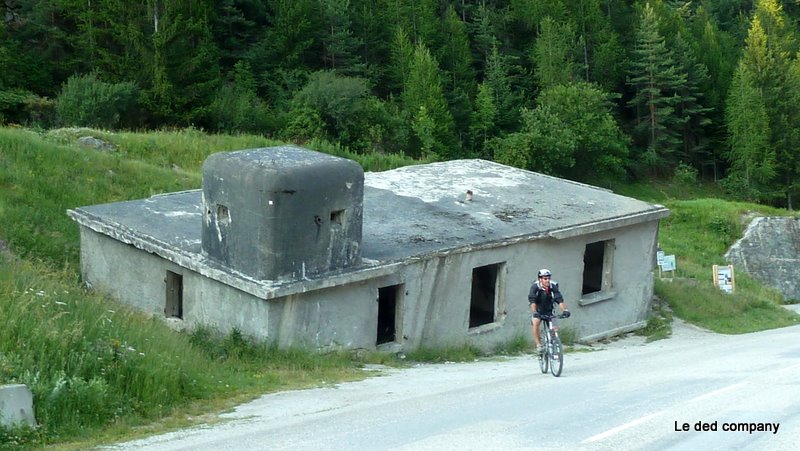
(548, 339)
(553, 336)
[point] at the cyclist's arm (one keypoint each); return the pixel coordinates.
(532, 298)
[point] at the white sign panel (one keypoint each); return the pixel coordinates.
(668, 263)
(723, 278)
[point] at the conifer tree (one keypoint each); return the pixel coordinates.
(767, 66)
(692, 105)
(484, 119)
(483, 33)
(499, 80)
(341, 46)
(751, 157)
(425, 105)
(402, 57)
(779, 85)
(553, 53)
(655, 79)
(455, 58)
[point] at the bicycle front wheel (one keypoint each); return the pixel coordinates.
(556, 357)
(543, 355)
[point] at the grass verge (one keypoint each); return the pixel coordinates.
(94, 366)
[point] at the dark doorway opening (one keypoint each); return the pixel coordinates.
(174, 304)
(388, 303)
(482, 305)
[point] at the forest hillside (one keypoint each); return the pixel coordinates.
(591, 90)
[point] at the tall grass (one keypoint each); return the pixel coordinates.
(91, 362)
(187, 149)
(40, 180)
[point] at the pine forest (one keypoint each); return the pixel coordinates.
(590, 90)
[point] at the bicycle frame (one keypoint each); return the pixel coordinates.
(553, 355)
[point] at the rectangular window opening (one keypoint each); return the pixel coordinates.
(337, 216)
(388, 305)
(174, 301)
(597, 266)
(485, 288)
(222, 213)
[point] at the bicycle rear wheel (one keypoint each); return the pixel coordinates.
(556, 357)
(544, 346)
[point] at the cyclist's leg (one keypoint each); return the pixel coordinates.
(535, 325)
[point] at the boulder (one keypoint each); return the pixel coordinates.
(769, 251)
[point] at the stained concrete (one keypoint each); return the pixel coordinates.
(302, 208)
(420, 233)
(16, 406)
(410, 212)
(769, 250)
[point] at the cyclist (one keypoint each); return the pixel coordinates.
(543, 295)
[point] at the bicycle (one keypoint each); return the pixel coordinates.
(552, 354)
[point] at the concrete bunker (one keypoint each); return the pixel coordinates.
(286, 213)
(300, 248)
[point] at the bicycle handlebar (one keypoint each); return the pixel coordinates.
(551, 317)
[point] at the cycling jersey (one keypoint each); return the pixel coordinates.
(545, 299)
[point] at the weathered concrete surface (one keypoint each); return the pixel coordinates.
(420, 233)
(285, 213)
(409, 213)
(769, 250)
(16, 405)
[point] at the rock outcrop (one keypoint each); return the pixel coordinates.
(770, 252)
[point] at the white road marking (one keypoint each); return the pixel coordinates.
(716, 392)
(630, 424)
(620, 428)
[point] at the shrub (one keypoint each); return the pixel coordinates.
(685, 175)
(236, 111)
(88, 102)
(237, 108)
(12, 105)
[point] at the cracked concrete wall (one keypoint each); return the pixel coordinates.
(769, 250)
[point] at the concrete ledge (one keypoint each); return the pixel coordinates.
(16, 406)
(594, 298)
(613, 332)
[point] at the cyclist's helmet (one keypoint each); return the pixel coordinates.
(544, 272)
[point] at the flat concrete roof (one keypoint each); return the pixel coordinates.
(409, 213)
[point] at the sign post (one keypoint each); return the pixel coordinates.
(724, 279)
(666, 263)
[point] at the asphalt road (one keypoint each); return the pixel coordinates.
(629, 395)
